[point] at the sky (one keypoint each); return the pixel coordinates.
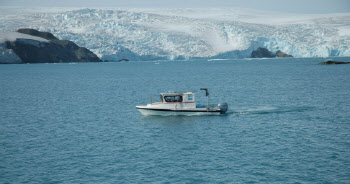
(287, 6)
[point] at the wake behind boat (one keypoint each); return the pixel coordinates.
(175, 103)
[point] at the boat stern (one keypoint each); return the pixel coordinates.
(223, 107)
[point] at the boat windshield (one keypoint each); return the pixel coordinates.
(177, 98)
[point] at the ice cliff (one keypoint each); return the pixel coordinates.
(146, 34)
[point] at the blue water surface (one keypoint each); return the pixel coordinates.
(288, 122)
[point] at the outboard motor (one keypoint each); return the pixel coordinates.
(223, 107)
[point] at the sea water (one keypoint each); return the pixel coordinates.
(288, 122)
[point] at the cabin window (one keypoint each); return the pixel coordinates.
(190, 97)
(177, 98)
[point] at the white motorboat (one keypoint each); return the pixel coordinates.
(176, 103)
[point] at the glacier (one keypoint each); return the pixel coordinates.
(186, 33)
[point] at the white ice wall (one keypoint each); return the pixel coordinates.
(142, 34)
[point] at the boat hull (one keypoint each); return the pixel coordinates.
(171, 112)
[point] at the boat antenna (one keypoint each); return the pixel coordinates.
(206, 94)
(206, 91)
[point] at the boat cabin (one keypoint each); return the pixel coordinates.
(177, 97)
(174, 97)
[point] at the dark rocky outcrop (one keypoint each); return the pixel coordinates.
(333, 62)
(282, 54)
(124, 59)
(262, 53)
(265, 53)
(53, 51)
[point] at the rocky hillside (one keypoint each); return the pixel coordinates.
(265, 53)
(44, 47)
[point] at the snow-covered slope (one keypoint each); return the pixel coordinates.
(143, 34)
(12, 36)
